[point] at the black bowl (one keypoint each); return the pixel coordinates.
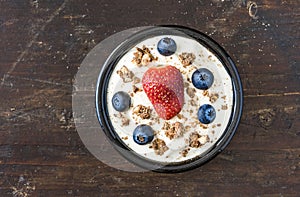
(101, 98)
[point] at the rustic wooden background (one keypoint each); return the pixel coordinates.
(42, 44)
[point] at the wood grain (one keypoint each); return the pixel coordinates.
(42, 46)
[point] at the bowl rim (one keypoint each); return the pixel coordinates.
(101, 98)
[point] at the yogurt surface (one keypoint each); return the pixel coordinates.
(195, 138)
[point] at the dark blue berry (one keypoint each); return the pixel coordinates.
(121, 101)
(166, 46)
(202, 78)
(206, 114)
(143, 134)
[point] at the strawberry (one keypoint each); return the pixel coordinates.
(164, 87)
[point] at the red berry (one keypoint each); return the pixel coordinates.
(164, 88)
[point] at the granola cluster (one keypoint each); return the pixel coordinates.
(185, 152)
(135, 89)
(213, 97)
(193, 140)
(125, 74)
(142, 111)
(159, 146)
(187, 58)
(143, 56)
(174, 130)
(196, 140)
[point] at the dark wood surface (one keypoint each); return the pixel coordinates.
(42, 44)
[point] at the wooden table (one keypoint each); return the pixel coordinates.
(42, 46)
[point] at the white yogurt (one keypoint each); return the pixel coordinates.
(209, 133)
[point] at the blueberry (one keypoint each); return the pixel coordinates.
(202, 78)
(206, 114)
(121, 101)
(166, 46)
(143, 134)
